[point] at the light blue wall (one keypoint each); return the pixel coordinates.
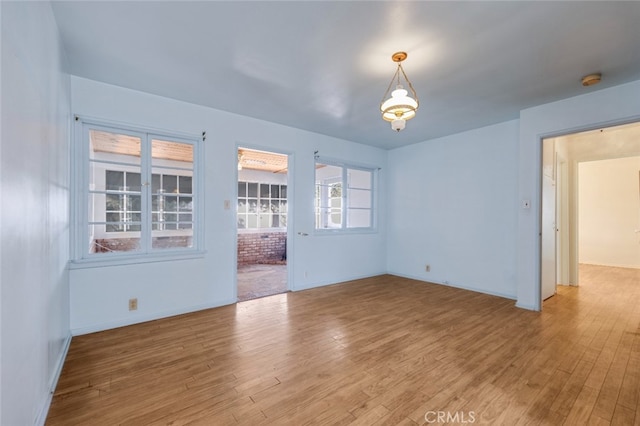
(452, 205)
(99, 296)
(35, 200)
(456, 202)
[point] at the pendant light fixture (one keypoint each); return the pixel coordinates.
(401, 106)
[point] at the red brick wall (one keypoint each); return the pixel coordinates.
(263, 247)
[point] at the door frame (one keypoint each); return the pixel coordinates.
(549, 219)
(290, 211)
(573, 176)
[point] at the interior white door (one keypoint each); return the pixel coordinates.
(548, 223)
(563, 259)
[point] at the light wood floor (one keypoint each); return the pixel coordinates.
(378, 351)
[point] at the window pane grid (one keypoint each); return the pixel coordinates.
(261, 205)
(171, 194)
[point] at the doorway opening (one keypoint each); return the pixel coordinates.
(590, 197)
(262, 213)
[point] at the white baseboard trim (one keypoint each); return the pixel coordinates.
(309, 286)
(625, 266)
(44, 411)
(78, 331)
(527, 307)
(460, 286)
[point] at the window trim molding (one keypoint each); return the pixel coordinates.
(108, 259)
(79, 173)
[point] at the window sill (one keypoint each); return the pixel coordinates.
(119, 260)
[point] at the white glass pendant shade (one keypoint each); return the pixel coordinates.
(398, 124)
(399, 106)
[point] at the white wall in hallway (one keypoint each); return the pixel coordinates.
(609, 212)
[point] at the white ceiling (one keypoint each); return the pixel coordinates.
(323, 66)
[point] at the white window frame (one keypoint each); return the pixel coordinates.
(345, 207)
(80, 195)
(259, 213)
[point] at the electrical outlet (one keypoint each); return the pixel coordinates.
(133, 304)
(427, 268)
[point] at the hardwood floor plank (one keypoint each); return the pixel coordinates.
(597, 421)
(379, 351)
(582, 407)
(606, 403)
(540, 410)
(630, 390)
(623, 416)
(569, 393)
(371, 416)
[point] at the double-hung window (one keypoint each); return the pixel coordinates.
(136, 193)
(344, 197)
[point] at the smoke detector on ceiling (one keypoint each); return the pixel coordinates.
(591, 79)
